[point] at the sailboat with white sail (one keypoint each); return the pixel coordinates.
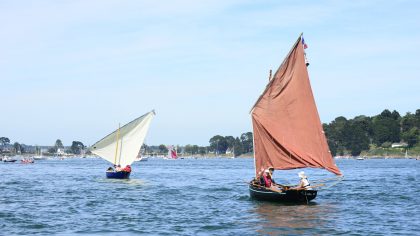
(287, 131)
(39, 155)
(122, 146)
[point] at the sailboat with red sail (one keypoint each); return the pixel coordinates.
(287, 129)
(172, 153)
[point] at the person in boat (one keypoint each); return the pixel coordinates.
(268, 180)
(127, 168)
(260, 177)
(304, 182)
(271, 171)
(110, 169)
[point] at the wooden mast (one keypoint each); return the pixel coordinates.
(116, 149)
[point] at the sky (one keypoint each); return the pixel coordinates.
(73, 70)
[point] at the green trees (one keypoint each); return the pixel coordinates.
(411, 136)
(355, 135)
(163, 149)
(218, 144)
(202, 150)
(17, 147)
(247, 142)
(77, 147)
(58, 145)
(410, 128)
(386, 127)
(240, 145)
(193, 149)
(4, 141)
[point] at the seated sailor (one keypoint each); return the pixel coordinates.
(269, 181)
(304, 182)
(118, 168)
(127, 168)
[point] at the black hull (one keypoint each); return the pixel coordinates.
(288, 196)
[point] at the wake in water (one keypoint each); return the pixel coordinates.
(132, 182)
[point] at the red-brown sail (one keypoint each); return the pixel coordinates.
(287, 130)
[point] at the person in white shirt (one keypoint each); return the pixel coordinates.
(304, 182)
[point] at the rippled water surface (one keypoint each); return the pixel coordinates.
(203, 197)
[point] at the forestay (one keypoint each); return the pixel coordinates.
(130, 139)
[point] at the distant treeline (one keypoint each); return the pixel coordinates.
(218, 145)
(6, 147)
(345, 137)
(363, 132)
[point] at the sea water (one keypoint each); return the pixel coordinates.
(203, 197)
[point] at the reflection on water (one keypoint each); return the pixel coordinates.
(290, 219)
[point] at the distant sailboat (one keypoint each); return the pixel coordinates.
(38, 155)
(141, 158)
(172, 153)
(287, 129)
(122, 146)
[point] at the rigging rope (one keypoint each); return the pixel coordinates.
(337, 180)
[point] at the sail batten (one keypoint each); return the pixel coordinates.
(129, 138)
(287, 129)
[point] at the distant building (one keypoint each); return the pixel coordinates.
(399, 145)
(60, 151)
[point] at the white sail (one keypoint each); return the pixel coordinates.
(130, 139)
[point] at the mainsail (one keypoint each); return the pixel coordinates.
(287, 129)
(122, 146)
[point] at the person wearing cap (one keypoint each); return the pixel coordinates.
(304, 182)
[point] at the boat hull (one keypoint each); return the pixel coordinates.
(118, 175)
(9, 161)
(288, 196)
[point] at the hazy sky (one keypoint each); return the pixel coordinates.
(75, 69)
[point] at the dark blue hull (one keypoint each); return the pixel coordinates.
(118, 175)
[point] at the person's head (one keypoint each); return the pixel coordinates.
(302, 175)
(271, 169)
(267, 172)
